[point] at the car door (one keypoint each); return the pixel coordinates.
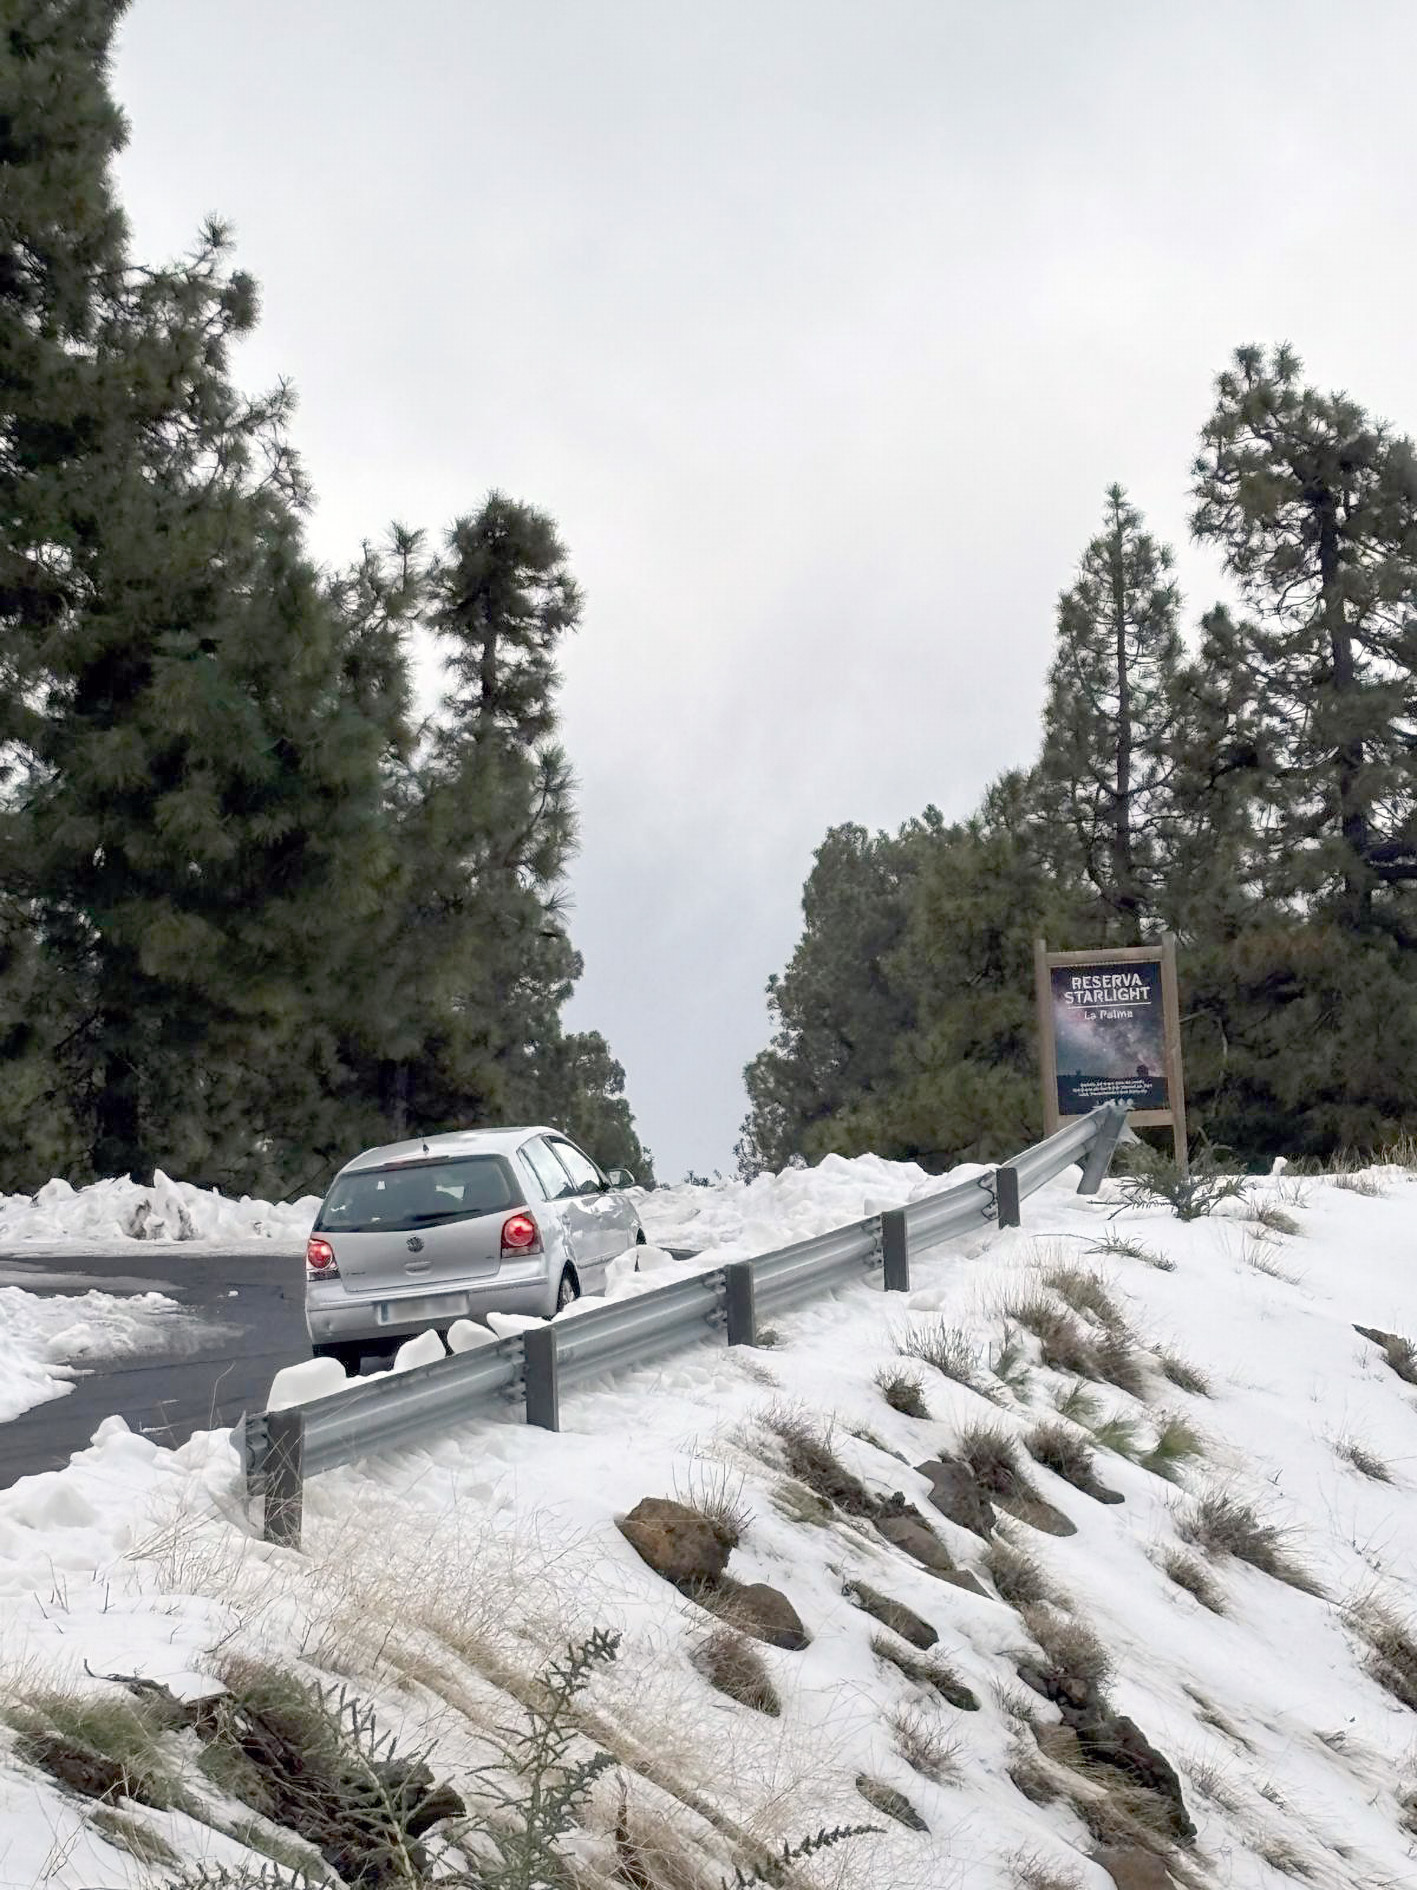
(600, 1210)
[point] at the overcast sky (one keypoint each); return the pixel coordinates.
(821, 329)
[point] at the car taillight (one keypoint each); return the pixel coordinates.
(520, 1234)
(320, 1258)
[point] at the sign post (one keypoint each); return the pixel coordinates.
(1109, 1030)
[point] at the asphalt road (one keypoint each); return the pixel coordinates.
(246, 1322)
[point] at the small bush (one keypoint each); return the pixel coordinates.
(807, 1447)
(1119, 1363)
(1221, 1524)
(925, 1746)
(1079, 1406)
(902, 1391)
(1123, 1247)
(1176, 1444)
(1059, 1449)
(947, 1348)
(101, 1745)
(1153, 1178)
(1195, 1578)
(733, 1664)
(1366, 1462)
(1019, 1579)
(926, 1671)
(1391, 1647)
(1184, 1375)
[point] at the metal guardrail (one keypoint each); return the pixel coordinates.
(281, 1448)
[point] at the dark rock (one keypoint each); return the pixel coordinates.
(759, 1610)
(1109, 1738)
(676, 1541)
(1133, 1869)
(918, 1540)
(890, 1803)
(956, 1494)
(1037, 1513)
(1400, 1353)
(961, 1578)
(892, 1614)
(69, 1761)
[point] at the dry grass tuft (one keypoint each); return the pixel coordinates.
(810, 1458)
(1360, 1182)
(1029, 1775)
(948, 1349)
(902, 1391)
(1123, 1247)
(1019, 1579)
(924, 1745)
(1366, 1462)
(1031, 1870)
(1058, 1448)
(1391, 1642)
(1259, 1255)
(1272, 1218)
(715, 1492)
(1087, 1294)
(731, 1663)
(1184, 1375)
(1176, 1445)
(1065, 1343)
(993, 1459)
(926, 1671)
(1195, 1578)
(1222, 1525)
(1075, 1658)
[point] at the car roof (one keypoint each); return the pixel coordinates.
(453, 1142)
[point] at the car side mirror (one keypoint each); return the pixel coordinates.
(620, 1177)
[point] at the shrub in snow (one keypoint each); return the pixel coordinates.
(732, 1664)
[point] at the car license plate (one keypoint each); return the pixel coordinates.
(430, 1308)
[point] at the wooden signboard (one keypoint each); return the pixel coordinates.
(1109, 1030)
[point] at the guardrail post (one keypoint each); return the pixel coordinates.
(740, 1303)
(283, 1477)
(895, 1250)
(543, 1388)
(1099, 1156)
(1006, 1194)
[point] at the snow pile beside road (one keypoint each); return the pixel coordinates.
(40, 1336)
(1211, 1371)
(738, 1219)
(109, 1211)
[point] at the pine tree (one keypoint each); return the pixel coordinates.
(1108, 765)
(190, 789)
(1314, 508)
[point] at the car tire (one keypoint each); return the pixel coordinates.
(349, 1353)
(568, 1290)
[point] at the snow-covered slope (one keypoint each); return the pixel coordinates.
(43, 1339)
(434, 1580)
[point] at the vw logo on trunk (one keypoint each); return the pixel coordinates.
(415, 1245)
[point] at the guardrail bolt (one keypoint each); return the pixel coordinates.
(895, 1250)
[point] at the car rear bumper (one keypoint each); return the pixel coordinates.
(333, 1315)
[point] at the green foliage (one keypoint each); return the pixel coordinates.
(1190, 1193)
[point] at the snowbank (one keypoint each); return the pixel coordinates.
(109, 1211)
(41, 1336)
(423, 1570)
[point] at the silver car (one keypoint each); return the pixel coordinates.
(456, 1226)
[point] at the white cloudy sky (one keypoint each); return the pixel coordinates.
(820, 328)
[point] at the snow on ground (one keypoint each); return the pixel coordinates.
(42, 1337)
(106, 1211)
(433, 1579)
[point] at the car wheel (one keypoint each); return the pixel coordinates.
(349, 1353)
(567, 1290)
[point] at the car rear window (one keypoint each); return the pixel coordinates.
(419, 1194)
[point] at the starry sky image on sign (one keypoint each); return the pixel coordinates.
(1109, 1047)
